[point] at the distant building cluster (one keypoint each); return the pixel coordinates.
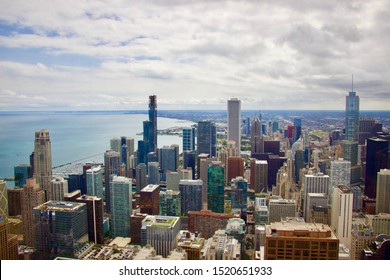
(250, 188)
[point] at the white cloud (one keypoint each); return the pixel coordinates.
(268, 53)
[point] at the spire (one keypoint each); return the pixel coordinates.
(352, 82)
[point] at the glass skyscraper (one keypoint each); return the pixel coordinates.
(216, 187)
(121, 197)
(207, 138)
(188, 139)
(112, 165)
(95, 181)
(352, 117)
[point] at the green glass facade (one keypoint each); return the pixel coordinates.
(216, 187)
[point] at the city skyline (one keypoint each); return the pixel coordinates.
(284, 55)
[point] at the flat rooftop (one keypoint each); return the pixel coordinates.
(160, 221)
(61, 206)
(299, 229)
(150, 188)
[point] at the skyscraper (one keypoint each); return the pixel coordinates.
(315, 183)
(188, 139)
(170, 203)
(168, 157)
(383, 192)
(352, 117)
(297, 128)
(3, 199)
(234, 121)
(191, 195)
(256, 136)
(32, 196)
(112, 165)
(58, 186)
(216, 187)
(376, 159)
(153, 120)
(207, 138)
(340, 174)
(121, 197)
(259, 175)
(95, 217)
(8, 242)
(150, 200)
(61, 228)
(42, 160)
(95, 181)
(342, 214)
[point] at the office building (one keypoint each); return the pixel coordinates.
(190, 195)
(191, 243)
(77, 181)
(188, 139)
(42, 160)
(207, 138)
(239, 189)
(297, 128)
(61, 228)
(189, 162)
(153, 174)
(221, 247)
(383, 192)
(58, 187)
(256, 136)
(3, 199)
(279, 209)
(352, 117)
(112, 166)
(173, 178)
(379, 223)
(170, 203)
(153, 119)
(22, 172)
(236, 228)
(377, 158)
(150, 200)
(161, 232)
(136, 225)
(141, 177)
(340, 173)
(15, 201)
(361, 236)
(94, 181)
(235, 168)
(206, 222)
(350, 151)
(300, 241)
(259, 175)
(32, 196)
(121, 207)
(315, 183)
(342, 214)
(234, 121)
(95, 217)
(317, 200)
(216, 187)
(8, 242)
(168, 157)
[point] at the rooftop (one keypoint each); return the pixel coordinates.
(150, 188)
(298, 229)
(60, 206)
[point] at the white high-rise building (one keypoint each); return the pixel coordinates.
(342, 214)
(383, 191)
(234, 121)
(58, 186)
(42, 160)
(280, 209)
(315, 183)
(95, 181)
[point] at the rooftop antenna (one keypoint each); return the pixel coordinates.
(352, 82)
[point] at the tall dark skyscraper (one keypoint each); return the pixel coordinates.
(352, 117)
(153, 120)
(207, 138)
(376, 159)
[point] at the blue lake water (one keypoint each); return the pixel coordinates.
(74, 135)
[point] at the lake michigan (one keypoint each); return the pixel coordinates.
(74, 135)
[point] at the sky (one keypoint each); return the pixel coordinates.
(275, 54)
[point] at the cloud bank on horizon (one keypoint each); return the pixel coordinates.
(280, 54)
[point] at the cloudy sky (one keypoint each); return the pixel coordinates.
(276, 54)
